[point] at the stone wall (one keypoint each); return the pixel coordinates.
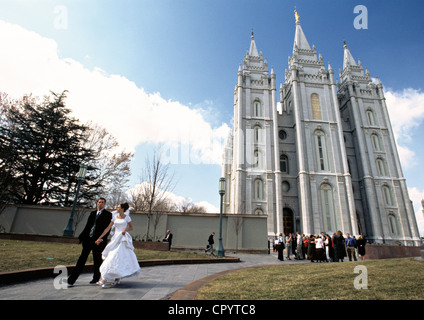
(190, 231)
(389, 251)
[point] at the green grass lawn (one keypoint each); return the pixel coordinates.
(391, 279)
(399, 279)
(20, 255)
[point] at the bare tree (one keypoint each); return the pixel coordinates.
(100, 140)
(157, 185)
(118, 168)
(164, 206)
(113, 167)
(137, 198)
(184, 205)
(196, 208)
(188, 206)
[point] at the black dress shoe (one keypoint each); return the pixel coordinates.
(93, 281)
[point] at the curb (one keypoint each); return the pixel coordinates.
(12, 277)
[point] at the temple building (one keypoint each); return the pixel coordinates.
(321, 159)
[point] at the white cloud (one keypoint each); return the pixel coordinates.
(416, 197)
(407, 156)
(30, 64)
(406, 110)
(210, 208)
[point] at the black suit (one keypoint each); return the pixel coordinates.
(168, 238)
(88, 244)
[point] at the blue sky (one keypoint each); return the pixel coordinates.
(183, 56)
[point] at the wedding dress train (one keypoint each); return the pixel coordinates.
(120, 260)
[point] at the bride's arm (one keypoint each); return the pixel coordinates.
(128, 228)
(104, 233)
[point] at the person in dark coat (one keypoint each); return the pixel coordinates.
(211, 242)
(294, 244)
(280, 247)
(168, 238)
(360, 244)
(339, 247)
(97, 222)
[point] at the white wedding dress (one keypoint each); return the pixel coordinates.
(120, 260)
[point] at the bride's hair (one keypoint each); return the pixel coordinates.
(125, 206)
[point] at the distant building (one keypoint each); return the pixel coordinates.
(324, 158)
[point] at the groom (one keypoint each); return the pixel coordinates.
(97, 222)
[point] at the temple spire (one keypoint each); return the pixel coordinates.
(253, 51)
(300, 40)
(348, 58)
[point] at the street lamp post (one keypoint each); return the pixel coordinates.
(69, 230)
(220, 250)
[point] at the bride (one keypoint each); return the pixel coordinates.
(119, 258)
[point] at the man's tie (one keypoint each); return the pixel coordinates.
(94, 225)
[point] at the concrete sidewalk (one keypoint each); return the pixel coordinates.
(154, 283)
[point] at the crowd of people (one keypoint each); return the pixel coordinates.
(320, 247)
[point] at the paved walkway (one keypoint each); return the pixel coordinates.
(154, 283)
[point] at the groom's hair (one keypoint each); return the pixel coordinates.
(102, 199)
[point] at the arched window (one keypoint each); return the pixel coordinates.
(284, 164)
(257, 134)
(321, 150)
(371, 118)
(393, 225)
(257, 108)
(381, 167)
(327, 203)
(387, 195)
(259, 190)
(285, 186)
(376, 143)
(316, 107)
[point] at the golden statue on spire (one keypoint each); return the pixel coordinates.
(296, 14)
